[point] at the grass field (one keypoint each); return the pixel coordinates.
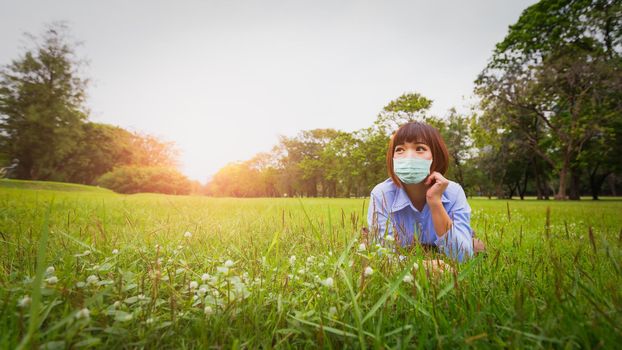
(83, 267)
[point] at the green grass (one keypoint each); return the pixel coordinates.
(49, 186)
(544, 282)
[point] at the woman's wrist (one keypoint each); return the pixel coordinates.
(434, 203)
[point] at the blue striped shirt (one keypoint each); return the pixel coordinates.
(391, 212)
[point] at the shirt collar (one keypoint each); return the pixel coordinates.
(402, 201)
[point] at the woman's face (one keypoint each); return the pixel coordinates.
(413, 150)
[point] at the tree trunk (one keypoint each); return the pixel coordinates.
(521, 191)
(575, 184)
(563, 178)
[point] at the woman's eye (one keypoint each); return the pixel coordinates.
(399, 150)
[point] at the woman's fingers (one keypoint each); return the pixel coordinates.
(432, 178)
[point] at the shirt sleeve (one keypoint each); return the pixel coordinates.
(377, 216)
(457, 242)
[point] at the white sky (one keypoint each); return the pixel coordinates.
(222, 79)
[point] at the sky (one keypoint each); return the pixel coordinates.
(223, 79)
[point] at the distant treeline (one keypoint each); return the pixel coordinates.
(548, 123)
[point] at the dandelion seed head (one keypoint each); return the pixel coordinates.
(202, 291)
(328, 282)
(115, 251)
(24, 301)
(188, 234)
(292, 260)
(193, 284)
(92, 279)
(83, 314)
(408, 278)
(208, 310)
(368, 271)
(52, 280)
(228, 263)
(50, 270)
(205, 277)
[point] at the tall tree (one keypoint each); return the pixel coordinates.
(42, 108)
(559, 63)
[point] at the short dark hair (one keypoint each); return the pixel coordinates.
(421, 133)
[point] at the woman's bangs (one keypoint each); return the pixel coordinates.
(412, 132)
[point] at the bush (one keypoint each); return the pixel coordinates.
(135, 179)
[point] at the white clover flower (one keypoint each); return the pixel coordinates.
(24, 302)
(205, 277)
(408, 278)
(332, 311)
(368, 271)
(193, 284)
(50, 270)
(115, 251)
(292, 260)
(202, 291)
(223, 270)
(80, 284)
(52, 280)
(362, 247)
(92, 279)
(228, 263)
(328, 283)
(188, 234)
(390, 238)
(84, 313)
(208, 310)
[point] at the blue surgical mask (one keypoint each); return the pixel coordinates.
(411, 170)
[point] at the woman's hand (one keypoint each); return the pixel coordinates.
(435, 267)
(436, 184)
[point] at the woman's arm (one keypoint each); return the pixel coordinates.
(453, 228)
(440, 218)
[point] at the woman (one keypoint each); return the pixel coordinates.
(417, 203)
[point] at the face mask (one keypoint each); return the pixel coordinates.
(411, 170)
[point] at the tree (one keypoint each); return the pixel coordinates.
(560, 63)
(408, 107)
(41, 105)
(102, 148)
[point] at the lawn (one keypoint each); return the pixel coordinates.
(85, 267)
